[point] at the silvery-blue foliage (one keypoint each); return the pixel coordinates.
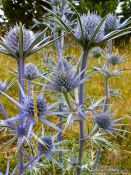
(12, 38)
(31, 72)
(89, 23)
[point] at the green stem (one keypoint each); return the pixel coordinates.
(68, 101)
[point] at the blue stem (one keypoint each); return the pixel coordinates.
(20, 64)
(81, 101)
(60, 133)
(29, 88)
(106, 79)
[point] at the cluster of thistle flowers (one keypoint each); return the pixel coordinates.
(64, 78)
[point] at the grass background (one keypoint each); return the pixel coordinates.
(120, 158)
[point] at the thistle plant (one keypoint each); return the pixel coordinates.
(63, 85)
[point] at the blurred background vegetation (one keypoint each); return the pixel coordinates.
(31, 11)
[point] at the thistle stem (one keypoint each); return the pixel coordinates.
(60, 133)
(20, 64)
(97, 160)
(107, 89)
(81, 101)
(29, 88)
(68, 101)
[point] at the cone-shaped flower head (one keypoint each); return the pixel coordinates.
(31, 72)
(13, 36)
(112, 23)
(41, 106)
(20, 42)
(115, 58)
(21, 131)
(105, 121)
(64, 78)
(89, 23)
(2, 85)
(47, 145)
(96, 52)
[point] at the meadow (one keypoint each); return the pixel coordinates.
(119, 158)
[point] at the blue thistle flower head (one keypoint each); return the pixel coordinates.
(115, 58)
(64, 78)
(46, 147)
(112, 23)
(31, 72)
(96, 52)
(2, 85)
(29, 106)
(105, 121)
(21, 131)
(12, 38)
(89, 23)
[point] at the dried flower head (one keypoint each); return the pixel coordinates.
(31, 72)
(12, 38)
(89, 23)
